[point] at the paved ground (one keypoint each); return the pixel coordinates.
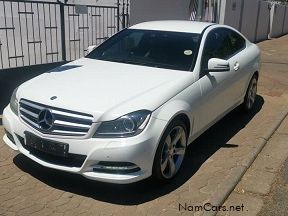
(213, 166)
(278, 197)
(263, 190)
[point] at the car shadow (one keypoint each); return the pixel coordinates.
(197, 153)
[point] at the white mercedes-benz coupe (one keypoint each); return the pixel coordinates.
(129, 109)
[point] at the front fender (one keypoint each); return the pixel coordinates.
(171, 110)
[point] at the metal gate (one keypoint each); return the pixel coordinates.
(205, 10)
(39, 32)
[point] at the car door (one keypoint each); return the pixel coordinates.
(218, 90)
(239, 59)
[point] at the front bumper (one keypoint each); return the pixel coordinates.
(138, 150)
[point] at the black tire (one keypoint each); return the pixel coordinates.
(250, 95)
(157, 173)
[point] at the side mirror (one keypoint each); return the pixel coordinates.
(90, 49)
(218, 65)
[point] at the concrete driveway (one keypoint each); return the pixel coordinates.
(214, 164)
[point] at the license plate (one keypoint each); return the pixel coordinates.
(47, 146)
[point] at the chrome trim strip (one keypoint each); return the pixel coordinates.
(63, 123)
(67, 132)
(72, 115)
(29, 112)
(32, 105)
(30, 122)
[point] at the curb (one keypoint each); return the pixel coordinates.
(225, 189)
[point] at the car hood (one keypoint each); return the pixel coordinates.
(107, 90)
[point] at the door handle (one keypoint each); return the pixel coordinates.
(236, 66)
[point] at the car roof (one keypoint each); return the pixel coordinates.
(174, 26)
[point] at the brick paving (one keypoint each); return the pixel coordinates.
(255, 186)
(212, 163)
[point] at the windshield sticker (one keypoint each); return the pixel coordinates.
(188, 52)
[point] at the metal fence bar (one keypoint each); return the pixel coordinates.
(204, 10)
(39, 35)
(5, 22)
(56, 26)
(45, 33)
(20, 28)
(78, 36)
(13, 30)
(62, 23)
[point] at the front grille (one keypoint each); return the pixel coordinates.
(65, 122)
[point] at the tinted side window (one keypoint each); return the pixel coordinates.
(217, 45)
(237, 41)
(222, 43)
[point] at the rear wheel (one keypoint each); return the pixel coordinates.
(170, 152)
(251, 93)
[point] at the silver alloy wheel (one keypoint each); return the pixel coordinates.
(252, 93)
(173, 152)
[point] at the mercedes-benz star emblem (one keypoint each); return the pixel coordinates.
(45, 120)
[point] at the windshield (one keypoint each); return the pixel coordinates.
(163, 49)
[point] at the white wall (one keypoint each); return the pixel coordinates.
(285, 27)
(263, 26)
(148, 10)
(254, 19)
(277, 17)
(249, 19)
(231, 13)
(240, 14)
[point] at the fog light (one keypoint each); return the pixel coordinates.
(115, 167)
(10, 136)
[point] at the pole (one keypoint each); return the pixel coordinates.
(127, 14)
(62, 21)
(199, 10)
(118, 15)
(123, 15)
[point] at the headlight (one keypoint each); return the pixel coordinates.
(125, 126)
(14, 102)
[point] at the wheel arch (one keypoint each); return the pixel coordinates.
(256, 73)
(176, 109)
(185, 119)
(182, 116)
